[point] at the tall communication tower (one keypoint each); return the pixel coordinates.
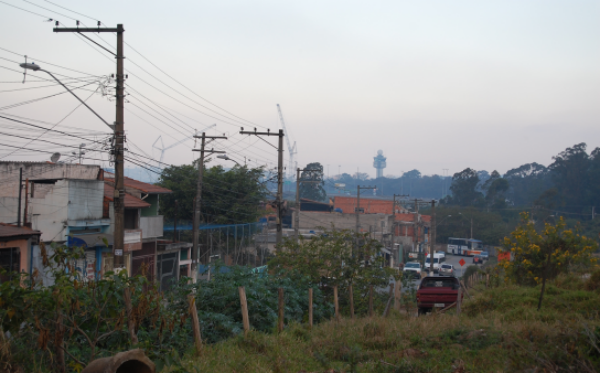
(291, 148)
(379, 163)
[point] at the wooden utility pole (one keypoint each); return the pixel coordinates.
(394, 225)
(119, 137)
(198, 204)
(279, 201)
(357, 210)
(19, 202)
(432, 237)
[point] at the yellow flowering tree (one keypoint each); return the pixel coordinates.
(541, 256)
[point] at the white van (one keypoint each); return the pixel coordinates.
(437, 260)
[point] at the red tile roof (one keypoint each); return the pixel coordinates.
(371, 206)
(131, 202)
(139, 185)
(9, 230)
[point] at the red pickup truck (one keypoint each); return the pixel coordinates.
(437, 292)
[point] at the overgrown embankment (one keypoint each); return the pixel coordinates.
(500, 330)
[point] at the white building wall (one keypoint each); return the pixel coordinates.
(50, 212)
(85, 199)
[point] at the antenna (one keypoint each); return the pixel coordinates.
(55, 157)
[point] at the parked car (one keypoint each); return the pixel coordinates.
(477, 259)
(446, 270)
(441, 254)
(412, 269)
(437, 292)
(485, 255)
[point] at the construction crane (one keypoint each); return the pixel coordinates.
(162, 148)
(292, 149)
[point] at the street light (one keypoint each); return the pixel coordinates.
(225, 157)
(443, 220)
(34, 67)
(460, 213)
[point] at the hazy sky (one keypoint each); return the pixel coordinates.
(434, 84)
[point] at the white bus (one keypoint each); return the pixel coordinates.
(464, 246)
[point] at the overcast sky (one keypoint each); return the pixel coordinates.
(434, 84)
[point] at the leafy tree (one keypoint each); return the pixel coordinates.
(541, 256)
(231, 196)
(570, 175)
(495, 188)
(527, 182)
(313, 189)
(332, 259)
(463, 189)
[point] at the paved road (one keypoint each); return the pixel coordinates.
(450, 259)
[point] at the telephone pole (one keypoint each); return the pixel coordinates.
(432, 241)
(279, 201)
(297, 217)
(394, 223)
(358, 210)
(197, 205)
(119, 137)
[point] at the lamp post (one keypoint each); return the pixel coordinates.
(34, 67)
(471, 237)
(225, 157)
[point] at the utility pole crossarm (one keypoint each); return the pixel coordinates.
(85, 29)
(280, 134)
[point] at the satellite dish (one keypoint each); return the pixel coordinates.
(55, 157)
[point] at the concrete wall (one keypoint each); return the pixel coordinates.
(8, 209)
(314, 220)
(49, 214)
(85, 199)
(42, 170)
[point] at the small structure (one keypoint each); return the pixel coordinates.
(379, 163)
(16, 246)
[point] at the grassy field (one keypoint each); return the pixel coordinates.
(500, 330)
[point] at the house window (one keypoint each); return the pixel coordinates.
(10, 261)
(131, 219)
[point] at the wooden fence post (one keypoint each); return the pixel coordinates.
(351, 294)
(310, 308)
(336, 304)
(130, 320)
(195, 324)
(487, 280)
(459, 301)
(281, 314)
(370, 300)
(244, 306)
(386, 311)
(397, 295)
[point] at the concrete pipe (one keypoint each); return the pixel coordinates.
(133, 361)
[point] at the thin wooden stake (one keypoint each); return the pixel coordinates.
(195, 324)
(351, 294)
(310, 308)
(487, 280)
(280, 313)
(397, 295)
(465, 289)
(244, 307)
(370, 300)
(386, 311)
(130, 320)
(459, 301)
(336, 303)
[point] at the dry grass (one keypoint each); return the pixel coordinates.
(490, 338)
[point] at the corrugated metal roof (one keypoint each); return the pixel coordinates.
(131, 202)
(8, 230)
(139, 185)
